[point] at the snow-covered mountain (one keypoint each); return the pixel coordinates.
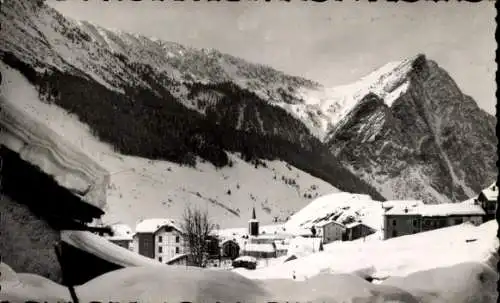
(419, 137)
(176, 125)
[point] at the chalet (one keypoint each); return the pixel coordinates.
(330, 231)
(488, 199)
(406, 220)
(356, 230)
(281, 248)
(401, 220)
(159, 239)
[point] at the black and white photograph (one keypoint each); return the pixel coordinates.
(253, 151)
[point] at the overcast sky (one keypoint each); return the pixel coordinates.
(333, 42)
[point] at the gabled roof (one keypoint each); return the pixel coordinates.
(491, 193)
(154, 224)
(326, 222)
(434, 210)
(257, 247)
(354, 224)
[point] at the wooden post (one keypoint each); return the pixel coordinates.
(71, 287)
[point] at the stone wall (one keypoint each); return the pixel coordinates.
(27, 242)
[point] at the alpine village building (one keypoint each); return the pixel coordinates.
(411, 217)
(160, 239)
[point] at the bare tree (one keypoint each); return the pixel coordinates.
(197, 229)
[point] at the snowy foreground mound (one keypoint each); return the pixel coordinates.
(395, 257)
(449, 265)
(468, 282)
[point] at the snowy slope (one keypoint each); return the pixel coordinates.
(141, 188)
(396, 129)
(343, 208)
(394, 257)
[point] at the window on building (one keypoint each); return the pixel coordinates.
(160, 249)
(394, 222)
(177, 239)
(177, 250)
(415, 223)
(159, 259)
(160, 239)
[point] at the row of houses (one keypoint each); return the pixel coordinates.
(163, 239)
(410, 217)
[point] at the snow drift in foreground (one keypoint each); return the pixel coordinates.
(468, 282)
(104, 249)
(394, 257)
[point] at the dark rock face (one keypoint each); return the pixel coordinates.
(434, 143)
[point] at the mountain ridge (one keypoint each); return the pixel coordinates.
(358, 137)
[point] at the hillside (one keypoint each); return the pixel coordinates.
(141, 188)
(175, 125)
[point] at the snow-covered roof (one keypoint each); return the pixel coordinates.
(326, 222)
(401, 203)
(354, 224)
(403, 210)
(491, 193)
(121, 232)
(446, 209)
(450, 209)
(153, 224)
(176, 257)
(258, 247)
(246, 259)
(102, 248)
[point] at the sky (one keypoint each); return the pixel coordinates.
(333, 43)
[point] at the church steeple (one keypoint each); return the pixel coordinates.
(253, 225)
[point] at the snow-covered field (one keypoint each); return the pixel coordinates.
(394, 257)
(141, 188)
(465, 283)
(449, 265)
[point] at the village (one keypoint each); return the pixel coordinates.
(320, 223)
